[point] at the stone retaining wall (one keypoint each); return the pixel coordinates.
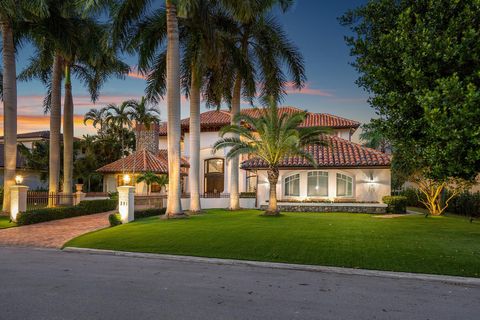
(379, 209)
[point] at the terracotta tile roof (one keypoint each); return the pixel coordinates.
(141, 161)
(338, 153)
(216, 119)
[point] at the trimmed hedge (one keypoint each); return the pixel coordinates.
(396, 204)
(83, 208)
(149, 213)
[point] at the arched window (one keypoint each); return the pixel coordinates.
(292, 185)
(317, 184)
(344, 185)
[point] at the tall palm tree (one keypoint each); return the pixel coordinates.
(12, 12)
(77, 45)
(260, 49)
(127, 14)
(270, 137)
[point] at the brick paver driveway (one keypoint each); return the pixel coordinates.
(52, 234)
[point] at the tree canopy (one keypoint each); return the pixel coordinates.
(420, 62)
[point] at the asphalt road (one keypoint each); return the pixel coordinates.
(50, 284)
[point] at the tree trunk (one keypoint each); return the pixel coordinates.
(55, 124)
(234, 162)
(194, 173)
(174, 205)
(272, 201)
(68, 134)
(9, 113)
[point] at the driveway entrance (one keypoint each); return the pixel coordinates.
(53, 234)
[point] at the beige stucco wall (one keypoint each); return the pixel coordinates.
(364, 189)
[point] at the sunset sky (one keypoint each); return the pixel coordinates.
(312, 25)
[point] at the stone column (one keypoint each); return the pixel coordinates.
(126, 203)
(18, 202)
(79, 194)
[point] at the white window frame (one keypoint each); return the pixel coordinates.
(345, 178)
(292, 177)
(317, 174)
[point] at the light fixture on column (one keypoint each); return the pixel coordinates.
(18, 179)
(126, 179)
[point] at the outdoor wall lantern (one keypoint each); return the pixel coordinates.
(18, 179)
(126, 179)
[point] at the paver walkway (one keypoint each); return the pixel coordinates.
(53, 234)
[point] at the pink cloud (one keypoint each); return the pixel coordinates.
(307, 90)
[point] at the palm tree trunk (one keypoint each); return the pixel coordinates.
(272, 201)
(68, 134)
(194, 173)
(234, 162)
(174, 205)
(55, 124)
(10, 112)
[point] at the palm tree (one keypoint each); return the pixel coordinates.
(271, 137)
(149, 178)
(143, 114)
(11, 13)
(260, 49)
(97, 117)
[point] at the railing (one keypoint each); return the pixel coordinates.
(38, 199)
(215, 195)
(146, 201)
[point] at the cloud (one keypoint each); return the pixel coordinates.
(134, 73)
(308, 90)
(29, 123)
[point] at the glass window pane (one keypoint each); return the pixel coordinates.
(317, 185)
(344, 185)
(292, 185)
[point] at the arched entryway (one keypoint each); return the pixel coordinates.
(214, 175)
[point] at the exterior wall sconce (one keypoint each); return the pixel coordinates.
(18, 179)
(126, 179)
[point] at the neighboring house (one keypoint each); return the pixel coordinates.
(346, 171)
(31, 178)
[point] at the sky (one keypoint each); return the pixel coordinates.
(311, 24)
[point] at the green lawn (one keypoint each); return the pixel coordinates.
(5, 222)
(440, 245)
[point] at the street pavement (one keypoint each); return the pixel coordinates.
(51, 284)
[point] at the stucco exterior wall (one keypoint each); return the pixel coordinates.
(30, 179)
(364, 189)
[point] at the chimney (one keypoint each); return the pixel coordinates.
(147, 139)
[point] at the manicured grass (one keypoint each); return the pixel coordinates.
(5, 222)
(439, 245)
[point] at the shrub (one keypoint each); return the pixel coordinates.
(413, 196)
(396, 204)
(466, 204)
(149, 213)
(103, 205)
(49, 214)
(113, 195)
(115, 219)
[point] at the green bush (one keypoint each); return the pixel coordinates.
(115, 219)
(248, 194)
(413, 196)
(396, 204)
(49, 214)
(103, 205)
(113, 195)
(149, 213)
(466, 204)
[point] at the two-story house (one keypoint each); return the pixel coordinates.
(346, 171)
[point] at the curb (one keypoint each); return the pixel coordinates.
(285, 266)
